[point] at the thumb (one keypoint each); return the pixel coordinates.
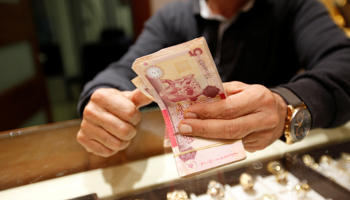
(138, 98)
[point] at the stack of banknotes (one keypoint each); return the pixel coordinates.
(176, 78)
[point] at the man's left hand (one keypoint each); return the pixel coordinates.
(250, 112)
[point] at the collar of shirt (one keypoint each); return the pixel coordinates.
(206, 13)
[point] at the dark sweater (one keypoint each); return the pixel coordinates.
(267, 45)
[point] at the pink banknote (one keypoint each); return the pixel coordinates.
(175, 78)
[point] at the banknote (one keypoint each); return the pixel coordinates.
(142, 87)
(137, 81)
(176, 78)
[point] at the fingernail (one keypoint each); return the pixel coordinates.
(184, 128)
(189, 115)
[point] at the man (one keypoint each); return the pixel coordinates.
(256, 45)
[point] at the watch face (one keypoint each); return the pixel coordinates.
(300, 124)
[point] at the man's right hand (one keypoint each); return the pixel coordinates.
(109, 120)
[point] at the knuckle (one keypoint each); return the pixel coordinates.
(83, 126)
(125, 131)
(202, 110)
(103, 151)
(230, 130)
(131, 113)
(233, 112)
(272, 121)
(88, 110)
(267, 99)
(81, 137)
(97, 95)
(199, 129)
(202, 131)
(137, 117)
(256, 87)
(124, 145)
(107, 139)
(98, 150)
(108, 154)
(118, 145)
(205, 113)
(264, 95)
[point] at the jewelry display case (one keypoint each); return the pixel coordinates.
(294, 179)
(46, 162)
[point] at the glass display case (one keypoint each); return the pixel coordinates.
(46, 162)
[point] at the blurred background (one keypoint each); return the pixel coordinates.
(50, 48)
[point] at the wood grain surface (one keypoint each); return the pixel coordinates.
(40, 153)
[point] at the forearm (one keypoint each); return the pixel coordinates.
(323, 50)
(326, 94)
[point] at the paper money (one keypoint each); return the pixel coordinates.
(137, 81)
(175, 78)
(139, 84)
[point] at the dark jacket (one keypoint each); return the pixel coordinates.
(267, 45)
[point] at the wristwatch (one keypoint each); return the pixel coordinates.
(298, 119)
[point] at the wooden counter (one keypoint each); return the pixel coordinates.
(39, 153)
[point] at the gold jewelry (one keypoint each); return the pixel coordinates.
(326, 159)
(216, 190)
(345, 157)
(309, 161)
(247, 182)
(177, 195)
(302, 188)
(278, 170)
(344, 162)
(269, 197)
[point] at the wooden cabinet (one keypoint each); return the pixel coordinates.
(24, 93)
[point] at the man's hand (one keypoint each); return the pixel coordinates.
(109, 120)
(250, 112)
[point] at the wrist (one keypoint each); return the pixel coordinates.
(298, 117)
(282, 111)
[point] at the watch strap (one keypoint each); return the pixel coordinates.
(289, 97)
